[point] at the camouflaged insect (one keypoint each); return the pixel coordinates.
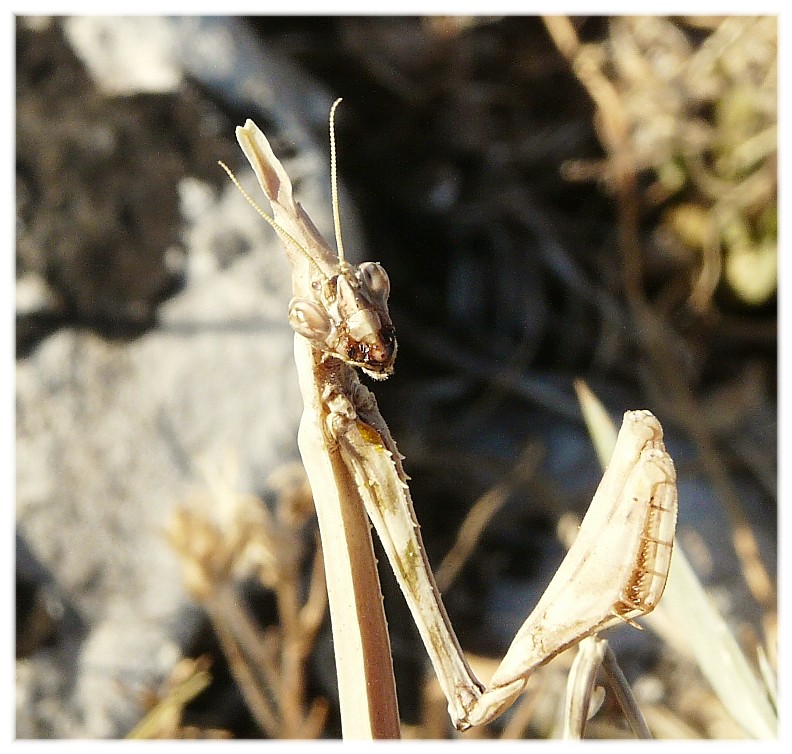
(614, 572)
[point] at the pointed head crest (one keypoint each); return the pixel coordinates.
(344, 310)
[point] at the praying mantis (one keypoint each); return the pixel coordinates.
(614, 572)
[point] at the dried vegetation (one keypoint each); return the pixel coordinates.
(662, 160)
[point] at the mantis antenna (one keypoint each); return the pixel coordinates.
(271, 220)
(334, 184)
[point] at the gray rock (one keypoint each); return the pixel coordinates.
(113, 435)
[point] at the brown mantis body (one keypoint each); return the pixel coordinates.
(614, 572)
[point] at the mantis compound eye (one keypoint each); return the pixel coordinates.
(308, 319)
(375, 279)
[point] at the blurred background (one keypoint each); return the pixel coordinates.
(554, 199)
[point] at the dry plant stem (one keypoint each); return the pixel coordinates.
(312, 613)
(166, 715)
(299, 626)
(768, 675)
(482, 512)
(250, 685)
(718, 654)
(274, 690)
(665, 372)
(269, 666)
(225, 605)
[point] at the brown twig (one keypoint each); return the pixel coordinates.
(663, 372)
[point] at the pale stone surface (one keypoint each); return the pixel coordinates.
(113, 434)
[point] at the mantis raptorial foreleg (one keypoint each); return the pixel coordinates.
(617, 567)
(614, 572)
